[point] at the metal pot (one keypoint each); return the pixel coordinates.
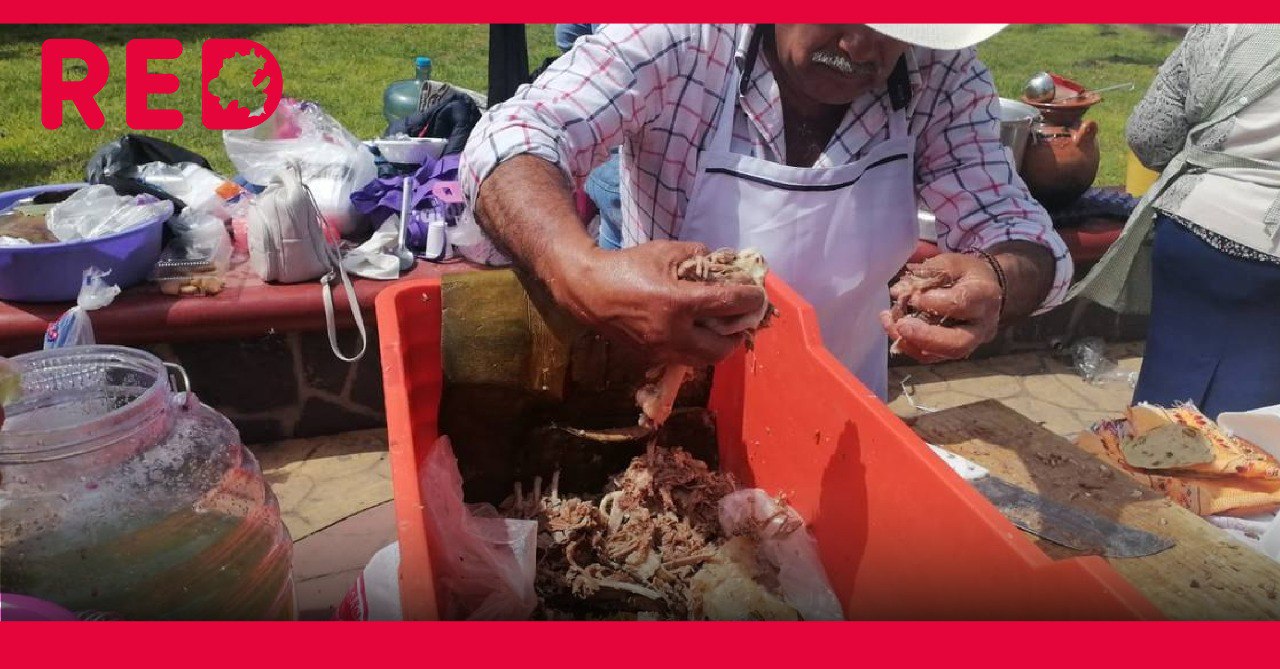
(1015, 127)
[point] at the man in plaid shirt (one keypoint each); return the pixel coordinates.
(812, 143)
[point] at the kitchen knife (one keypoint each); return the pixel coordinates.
(1059, 523)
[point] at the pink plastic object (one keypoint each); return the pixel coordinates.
(448, 192)
(21, 607)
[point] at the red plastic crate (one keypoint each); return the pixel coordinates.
(900, 534)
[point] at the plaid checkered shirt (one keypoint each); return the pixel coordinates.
(657, 89)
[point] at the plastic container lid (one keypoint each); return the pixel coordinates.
(422, 61)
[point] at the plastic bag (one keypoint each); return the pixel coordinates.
(96, 211)
(1089, 358)
(333, 162)
(196, 260)
(376, 593)
(376, 258)
(483, 563)
(200, 188)
(787, 545)
(74, 328)
(113, 164)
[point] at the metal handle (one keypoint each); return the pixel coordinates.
(178, 377)
(1126, 86)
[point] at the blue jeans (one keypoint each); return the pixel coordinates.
(1211, 337)
(602, 187)
(567, 33)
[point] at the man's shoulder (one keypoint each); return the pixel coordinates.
(704, 35)
(934, 59)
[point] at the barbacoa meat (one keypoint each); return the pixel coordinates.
(725, 266)
(649, 547)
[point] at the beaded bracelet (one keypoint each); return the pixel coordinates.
(995, 266)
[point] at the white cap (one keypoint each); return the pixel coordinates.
(945, 36)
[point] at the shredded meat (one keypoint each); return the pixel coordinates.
(639, 547)
(917, 279)
(747, 268)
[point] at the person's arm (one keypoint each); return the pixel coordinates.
(633, 294)
(1157, 128)
(517, 173)
(964, 176)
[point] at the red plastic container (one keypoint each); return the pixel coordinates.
(900, 534)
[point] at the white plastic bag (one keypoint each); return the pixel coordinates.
(376, 593)
(472, 243)
(787, 545)
(333, 162)
(96, 211)
(483, 564)
(376, 258)
(200, 189)
(73, 328)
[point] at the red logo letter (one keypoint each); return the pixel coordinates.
(139, 84)
(54, 90)
(242, 84)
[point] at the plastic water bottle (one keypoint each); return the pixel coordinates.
(401, 97)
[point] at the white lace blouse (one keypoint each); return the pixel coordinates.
(1224, 206)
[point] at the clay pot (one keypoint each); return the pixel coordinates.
(1061, 162)
(1066, 113)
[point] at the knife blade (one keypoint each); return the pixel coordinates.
(1063, 525)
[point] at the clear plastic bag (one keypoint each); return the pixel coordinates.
(786, 544)
(201, 189)
(1090, 360)
(74, 328)
(195, 262)
(333, 162)
(483, 564)
(96, 211)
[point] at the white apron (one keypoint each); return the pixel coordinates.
(836, 235)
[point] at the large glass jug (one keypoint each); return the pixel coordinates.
(121, 495)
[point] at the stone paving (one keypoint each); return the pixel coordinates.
(1038, 385)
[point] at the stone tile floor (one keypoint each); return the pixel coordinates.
(335, 496)
(335, 492)
(1038, 385)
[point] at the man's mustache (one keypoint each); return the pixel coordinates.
(841, 63)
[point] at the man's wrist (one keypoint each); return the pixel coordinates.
(997, 273)
(562, 263)
(1028, 270)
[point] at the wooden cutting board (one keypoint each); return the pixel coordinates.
(1207, 575)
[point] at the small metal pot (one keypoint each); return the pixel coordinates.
(1015, 127)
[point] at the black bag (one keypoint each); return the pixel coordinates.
(453, 118)
(130, 151)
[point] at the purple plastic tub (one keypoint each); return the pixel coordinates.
(53, 272)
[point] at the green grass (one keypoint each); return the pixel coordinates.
(1093, 55)
(345, 69)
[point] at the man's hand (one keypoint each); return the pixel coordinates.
(526, 207)
(950, 321)
(967, 310)
(634, 295)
